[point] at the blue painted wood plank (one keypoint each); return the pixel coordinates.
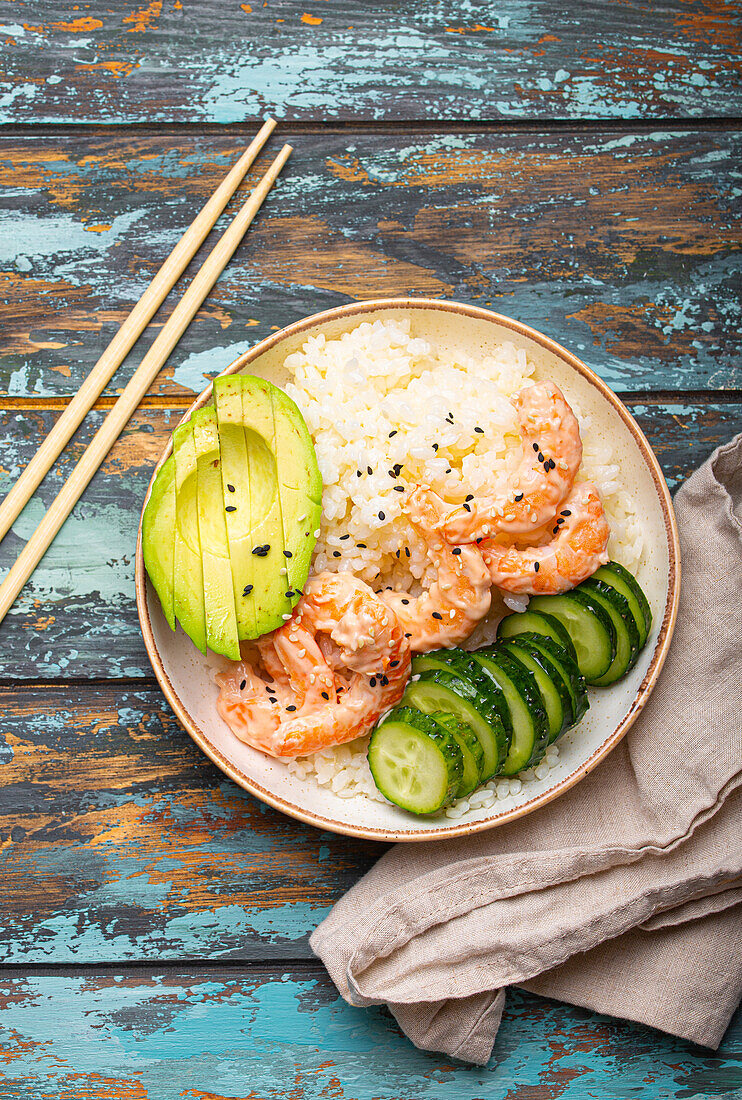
(212, 1036)
(77, 617)
(624, 247)
(121, 841)
(211, 62)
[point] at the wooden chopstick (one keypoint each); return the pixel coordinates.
(124, 340)
(142, 379)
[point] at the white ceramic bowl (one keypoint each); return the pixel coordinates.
(186, 676)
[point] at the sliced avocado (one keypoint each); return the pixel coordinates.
(235, 471)
(270, 573)
(299, 487)
(158, 537)
(221, 619)
(188, 581)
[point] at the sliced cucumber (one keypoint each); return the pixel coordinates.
(554, 694)
(415, 762)
(624, 582)
(443, 690)
(536, 622)
(627, 635)
(462, 664)
(589, 626)
(572, 678)
(472, 752)
(530, 724)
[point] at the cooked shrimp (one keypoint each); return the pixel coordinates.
(577, 549)
(552, 452)
(460, 595)
(323, 678)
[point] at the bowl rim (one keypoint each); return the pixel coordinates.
(357, 310)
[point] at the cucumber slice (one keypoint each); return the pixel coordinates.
(589, 626)
(536, 622)
(530, 724)
(415, 762)
(554, 694)
(442, 690)
(565, 667)
(462, 664)
(472, 752)
(627, 635)
(626, 583)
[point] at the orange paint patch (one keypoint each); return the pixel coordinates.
(247, 8)
(313, 20)
(77, 26)
(143, 18)
(102, 228)
(118, 68)
(468, 30)
(548, 38)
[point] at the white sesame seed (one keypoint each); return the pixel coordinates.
(285, 617)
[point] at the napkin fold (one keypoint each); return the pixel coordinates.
(624, 895)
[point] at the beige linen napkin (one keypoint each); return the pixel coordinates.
(625, 894)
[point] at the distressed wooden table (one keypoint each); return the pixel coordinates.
(580, 170)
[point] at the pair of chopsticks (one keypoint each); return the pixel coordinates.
(145, 374)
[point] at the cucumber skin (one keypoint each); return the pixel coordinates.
(615, 569)
(467, 667)
(517, 651)
(577, 682)
(583, 599)
(558, 632)
(464, 735)
(443, 741)
(471, 695)
(527, 688)
(620, 605)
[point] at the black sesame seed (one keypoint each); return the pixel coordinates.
(456, 550)
(385, 681)
(448, 471)
(437, 615)
(397, 467)
(405, 602)
(450, 414)
(324, 695)
(243, 685)
(393, 664)
(392, 434)
(555, 531)
(361, 545)
(344, 537)
(231, 508)
(397, 553)
(399, 488)
(272, 699)
(247, 590)
(373, 681)
(540, 457)
(465, 505)
(231, 488)
(287, 554)
(560, 520)
(480, 431)
(519, 497)
(407, 551)
(391, 473)
(291, 707)
(382, 515)
(470, 497)
(436, 446)
(358, 473)
(566, 512)
(289, 594)
(408, 635)
(369, 471)
(536, 447)
(336, 553)
(536, 566)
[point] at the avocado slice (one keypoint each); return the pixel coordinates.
(269, 566)
(300, 488)
(158, 537)
(188, 583)
(235, 477)
(221, 618)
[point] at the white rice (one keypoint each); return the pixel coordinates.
(378, 400)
